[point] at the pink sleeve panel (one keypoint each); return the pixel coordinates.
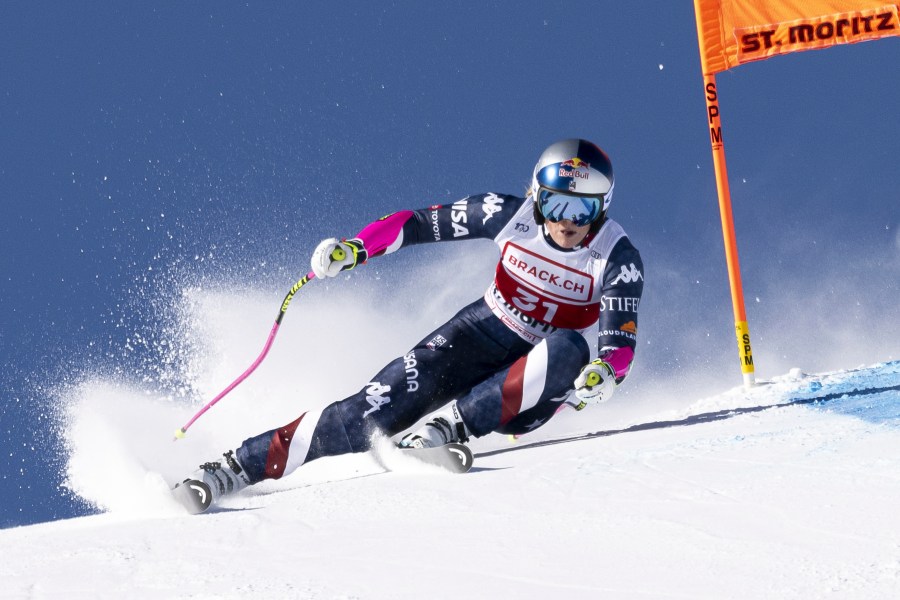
(385, 235)
(620, 360)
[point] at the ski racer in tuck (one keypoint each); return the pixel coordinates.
(560, 315)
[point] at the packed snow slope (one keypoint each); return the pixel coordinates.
(788, 490)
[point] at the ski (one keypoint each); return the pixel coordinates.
(196, 496)
(453, 457)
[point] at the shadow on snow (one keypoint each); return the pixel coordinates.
(886, 409)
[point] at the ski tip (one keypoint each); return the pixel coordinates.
(454, 457)
(194, 495)
(463, 455)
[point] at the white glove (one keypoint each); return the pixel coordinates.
(596, 383)
(332, 256)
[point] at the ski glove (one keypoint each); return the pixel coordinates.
(332, 256)
(596, 383)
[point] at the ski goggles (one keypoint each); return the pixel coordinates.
(556, 207)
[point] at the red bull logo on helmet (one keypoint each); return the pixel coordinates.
(575, 168)
(575, 163)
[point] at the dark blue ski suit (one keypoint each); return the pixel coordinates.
(509, 358)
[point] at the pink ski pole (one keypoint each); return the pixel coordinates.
(179, 433)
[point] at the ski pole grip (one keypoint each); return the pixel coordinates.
(592, 379)
(338, 254)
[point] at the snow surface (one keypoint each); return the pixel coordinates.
(788, 490)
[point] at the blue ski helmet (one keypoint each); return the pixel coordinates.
(573, 180)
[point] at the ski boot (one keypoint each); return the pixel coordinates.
(444, 427)
(210, 482)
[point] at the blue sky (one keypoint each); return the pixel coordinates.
(150, 145)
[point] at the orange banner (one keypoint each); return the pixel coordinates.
(734, 32)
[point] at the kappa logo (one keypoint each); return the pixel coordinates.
(629, 274)
(492, 205)
(375, 396)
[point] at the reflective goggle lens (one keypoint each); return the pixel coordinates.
(556, 207)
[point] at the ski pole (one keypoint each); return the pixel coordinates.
(337, 254)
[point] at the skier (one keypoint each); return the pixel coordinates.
(560, 315)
